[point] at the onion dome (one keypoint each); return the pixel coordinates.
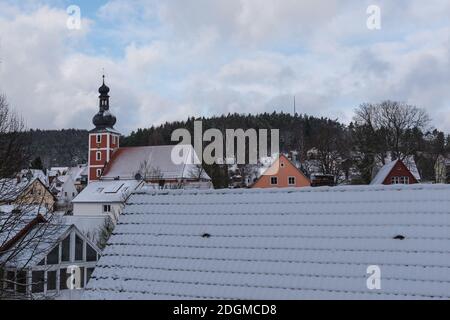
(104, 89)
(104, 118)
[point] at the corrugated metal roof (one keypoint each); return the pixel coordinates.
(314, 243)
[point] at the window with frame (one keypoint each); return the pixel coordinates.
(82, 277)
(98, 156)
(291, 181)
(99, 173)
(78, 248)
(89, 272)
(10, 280)
(91, 254)
(98, 138)
(273, 180)
(51, 280)
(21, 282)
(53, 256)
(106, 208)
(65, 249)
(63, 279)
(400, 180)
(37, 281)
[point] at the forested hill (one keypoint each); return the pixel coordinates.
(58, 147)
(296, 132)
(69, 146)
(356, 145)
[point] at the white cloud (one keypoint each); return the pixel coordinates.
(182, 58)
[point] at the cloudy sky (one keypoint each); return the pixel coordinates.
(167, 60)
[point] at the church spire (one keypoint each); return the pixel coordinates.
(104, 119)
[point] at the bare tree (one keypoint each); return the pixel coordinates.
(13, 147)
(148, 172)
(388, 128)
(332, 150)
(25, 222)
(393, 125)
(247, 172)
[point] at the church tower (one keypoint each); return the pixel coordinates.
(103, 139)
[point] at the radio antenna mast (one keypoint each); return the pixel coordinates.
(295, 111)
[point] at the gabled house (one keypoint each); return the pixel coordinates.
(79, 176)
(272, 244)
(21, 191)
(442, 169)
(63, 187)
(282, 173)
(394, 172)
(34, 174)
(37, 260)
(104, 198)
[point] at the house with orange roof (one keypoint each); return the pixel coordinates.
(282, 173)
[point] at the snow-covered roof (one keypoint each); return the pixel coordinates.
(383, 172)
(64, 178)
(314, 243)
(410, 163)
(77, 172)
(86, 224)
(38, 242)
(59, 170)
(127, 162)
(11, 188)
(387, 168)
(107, 191)
(11, 224)
(36, 174)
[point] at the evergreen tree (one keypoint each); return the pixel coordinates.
(37, 164)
